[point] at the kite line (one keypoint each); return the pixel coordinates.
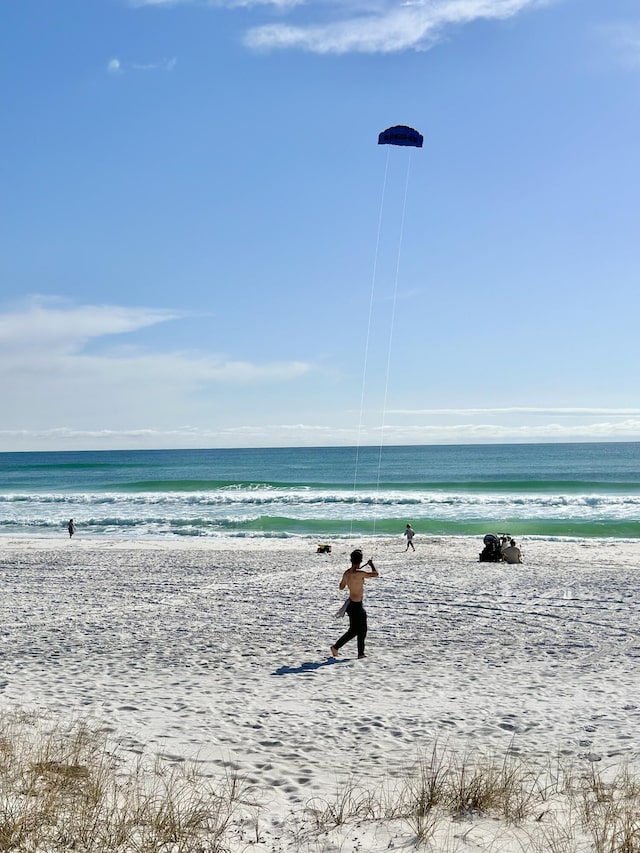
(399, 135)
(368, 337)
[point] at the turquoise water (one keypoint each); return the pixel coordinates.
(582, 490)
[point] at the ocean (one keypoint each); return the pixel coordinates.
(547, 490)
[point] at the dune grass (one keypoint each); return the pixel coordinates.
(68, 788)
(552, 809)
(65, 789)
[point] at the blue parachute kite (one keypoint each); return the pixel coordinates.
(401, 135)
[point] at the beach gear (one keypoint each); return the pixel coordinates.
(491, 551)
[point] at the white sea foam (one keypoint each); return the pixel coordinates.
(210, 513)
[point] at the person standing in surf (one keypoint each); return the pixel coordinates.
(354, 579)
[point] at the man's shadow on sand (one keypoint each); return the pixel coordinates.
(307, 666)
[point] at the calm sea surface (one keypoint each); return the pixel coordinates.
(581, 490)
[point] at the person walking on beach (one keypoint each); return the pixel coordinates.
(71, 527)
(354, 578)
(409, 532)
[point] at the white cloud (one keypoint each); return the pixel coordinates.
(115, 66)
(363, 26)
(60, 364)
(70, 379)
(311, 435)
(58, 327)
(162, 65)
(50, 335)
(388, 27)
(519, 410)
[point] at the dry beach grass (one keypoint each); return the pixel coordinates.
(66, 789)
(70, 789)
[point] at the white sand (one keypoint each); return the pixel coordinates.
(220, 650)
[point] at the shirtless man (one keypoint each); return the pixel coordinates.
(354, 578)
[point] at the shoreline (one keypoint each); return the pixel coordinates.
(292, 542)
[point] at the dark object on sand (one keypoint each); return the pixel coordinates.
(491, 552)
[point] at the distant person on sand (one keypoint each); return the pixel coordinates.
(71, 527)
(409, 532)
(512, 554)
(354, 578)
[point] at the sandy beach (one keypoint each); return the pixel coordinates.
(218, 651)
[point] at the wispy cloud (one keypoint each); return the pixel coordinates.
(62, 363)
(48, 334)
(385, 27)
(77, 376)
(163, 65)
(116, 66)
(362, 26)
(311, 435)
(520, 410)
(625, 39)
(432, 434)
(58, 327)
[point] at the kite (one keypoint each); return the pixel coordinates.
(401, 135)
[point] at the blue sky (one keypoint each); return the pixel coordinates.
(202, 244)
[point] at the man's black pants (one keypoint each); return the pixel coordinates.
(357, 626)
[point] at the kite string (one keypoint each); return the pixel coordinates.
(368, 337)
(394, 302)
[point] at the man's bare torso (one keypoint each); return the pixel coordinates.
(354, 580)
